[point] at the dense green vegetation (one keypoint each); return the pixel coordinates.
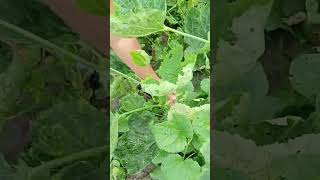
(52, 103)
(266, 73)
(148, 136)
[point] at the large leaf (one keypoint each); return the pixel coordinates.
(256, 108)
(197, 23)
(237, 63)
(251, 24)
(171, 65)
(161, 88)
(67, 128)
(229, 81)
(231, 10)
(305, 72)
(267, 162)
(131, 102)
(174, 167)
(136, 148)
(201, 122)
(173, 135)
(127, 6)
(138, 24)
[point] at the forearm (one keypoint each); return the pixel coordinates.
(122, 47)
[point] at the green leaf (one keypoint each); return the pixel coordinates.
(229, 81)
(174, 167)
(205, 172)
(140, 58)
(197, 23)
(138, 24)
(160, 157)
(205, 151)
(171, 65)
(131, 102)
(127, 6)
(67, 128)
(186, 76)
(256, 108)
(118, 173)
(157, 174)
(185, 88)
(304, 70)
(161, 88)
(121, 87)
(205, 85)
(251, 24)
(312, 7)
(272, 161)
(201, 123)
(123, 124)
(173, 135)
(137, 148)
(231, 10)
(96, 7)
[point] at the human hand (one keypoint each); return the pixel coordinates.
(172, 99)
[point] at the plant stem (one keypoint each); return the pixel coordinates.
(172, 8)
(51, 45)
(46, 43)
(190, 155)
(185, 151)
(124, 75)
(186, 34)
(68, 159)
(139, 109)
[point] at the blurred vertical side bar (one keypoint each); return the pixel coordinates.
(213, 46)
(53, 89)
(266, 69)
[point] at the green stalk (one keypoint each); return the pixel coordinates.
(124, 75)
(51, 45)
(185, 151)
(68, 159)
(186, 34)
(46, 43)
(139, 109)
